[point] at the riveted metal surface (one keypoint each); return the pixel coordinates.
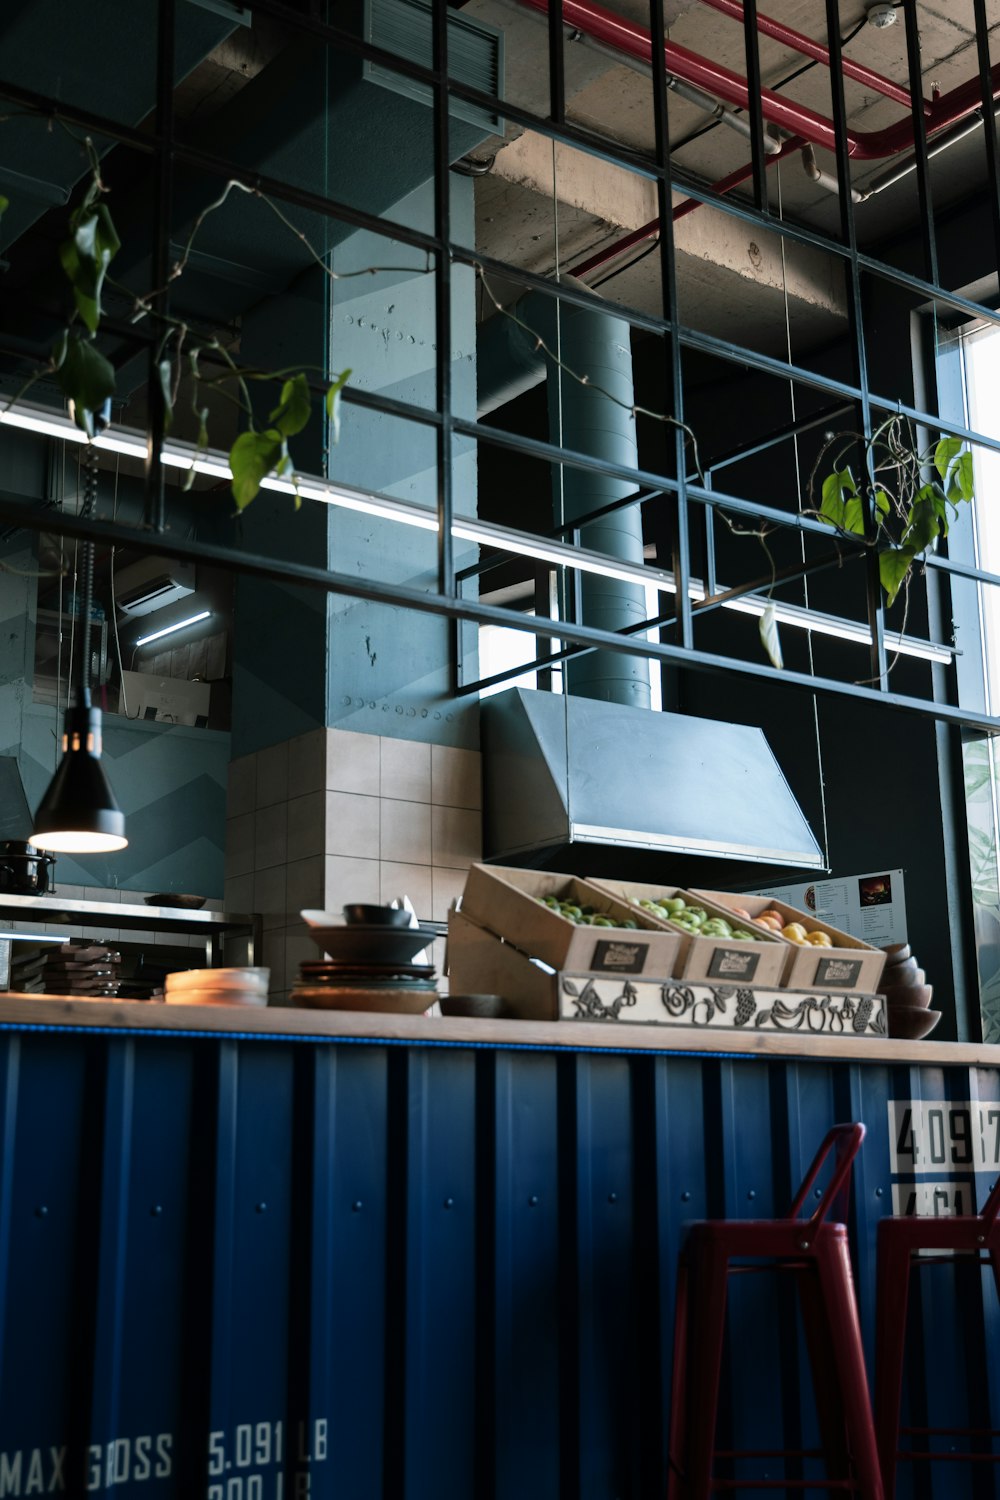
(234, 1265)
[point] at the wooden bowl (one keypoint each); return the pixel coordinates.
(909, 1024)
(903, 978)
(896, 953)
(910, 997)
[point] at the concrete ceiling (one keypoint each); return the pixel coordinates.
(543, 208)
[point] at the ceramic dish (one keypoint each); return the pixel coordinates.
(408, 1002)
(167, 898)
(251, 980)
(214, 997)
(372, 944)
(381, 916)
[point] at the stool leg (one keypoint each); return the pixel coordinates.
(892, 1294)
(834, 1264)
(676, 1454)
(707, 1322)
(826, 1388)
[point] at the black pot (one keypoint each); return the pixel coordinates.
(24, 870)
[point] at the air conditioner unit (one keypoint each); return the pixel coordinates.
(151, 584)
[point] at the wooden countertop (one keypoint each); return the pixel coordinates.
(57, 1011)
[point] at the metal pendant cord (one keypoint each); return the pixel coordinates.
(86, 576)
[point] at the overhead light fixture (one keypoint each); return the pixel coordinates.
(78, 813)
(157, 635)
(481, 533)
(34, 937)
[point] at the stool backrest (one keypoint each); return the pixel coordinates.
(992, 1206)
(846, 1141)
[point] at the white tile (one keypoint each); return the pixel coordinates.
(456, 777)
(269, 896)
(147, 939)
(352, 824)
(270, 836)
(307, 763)
(457, 837)
(297, 950)
(100, 893)
(447, 886)
(399, 880)
(214, 903)
(73, 892)
(305, 883)
(352, 762)
(406, 832)
(272, 775)
(350, 879)
(405, 770)
(307, 824)
(273, 958)
(239, 894)
(241, 795)
(239, 845)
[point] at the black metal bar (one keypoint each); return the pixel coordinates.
(668, 291)
(160, 300)
(755, 113)
(442, 294)
(255, 565)
(557, 70)
(855, 315)
(778, 435)
(924, 197)
(989, 120)
(543, 643)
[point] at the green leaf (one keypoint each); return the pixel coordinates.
(945, 454)
(333, 403)
(4, 205)
(292, 412)
(167, 389)
(84, 376)
(201, 444)
(251, 458)
(769, 637)
(85, 258)
(925, 521)
(893, 568)
(965, 474)
(882, 504)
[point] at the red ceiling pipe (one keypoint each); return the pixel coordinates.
(593, 20)
(799, 42)
(651, 230)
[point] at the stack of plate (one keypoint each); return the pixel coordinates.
(369, 966)
(217, 987)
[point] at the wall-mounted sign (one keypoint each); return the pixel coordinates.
(870, 907)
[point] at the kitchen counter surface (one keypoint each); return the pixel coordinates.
(17, 1010)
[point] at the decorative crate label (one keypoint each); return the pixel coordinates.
(842, 972)
(733, 963)
(595, 997)
(615, 957)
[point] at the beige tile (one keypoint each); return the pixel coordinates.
(272, 775)
(242, 791)
(352, 824)
(447, 886)
(270, 836)
(307, 763)
(405, 770)
(239, 845)
(269, 896)
(456, 777)
(239, 894)
(297, 950)
(457, 837)
(406, 832)
(307, 825)
(305, 884)
(350, 879)
(273, 958)
(101, 893)
(399, 880)
(352, 762)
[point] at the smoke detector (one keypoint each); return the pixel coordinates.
(881, 15)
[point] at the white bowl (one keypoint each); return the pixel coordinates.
(215, 997)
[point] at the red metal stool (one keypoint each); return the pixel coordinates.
(817, 1251)
(898, 1241)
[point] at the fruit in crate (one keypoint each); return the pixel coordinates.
(695, 920)
(796, 932)
(583, 916)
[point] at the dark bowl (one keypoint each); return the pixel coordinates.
(377, 916)
(909, 1024)
(909, 997)
(484, 1007)
(896, 953)
(170, 898)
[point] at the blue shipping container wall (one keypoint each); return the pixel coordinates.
(256, 1269)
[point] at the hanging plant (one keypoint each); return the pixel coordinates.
(912, 496)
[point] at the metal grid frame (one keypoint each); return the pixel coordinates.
(167, 152)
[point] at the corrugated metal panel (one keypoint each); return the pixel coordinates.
(475, 54)
(419, 1272)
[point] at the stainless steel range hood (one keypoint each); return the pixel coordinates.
(590, 787)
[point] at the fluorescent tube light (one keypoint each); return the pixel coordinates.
(32, 937)
(482, 533)
(157, 635)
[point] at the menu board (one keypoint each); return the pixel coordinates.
(871, 907)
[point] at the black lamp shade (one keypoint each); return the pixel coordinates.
(79, 814)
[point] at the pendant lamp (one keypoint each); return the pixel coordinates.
(79, 814)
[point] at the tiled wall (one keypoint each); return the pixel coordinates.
(109, 931)
(336, 816)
